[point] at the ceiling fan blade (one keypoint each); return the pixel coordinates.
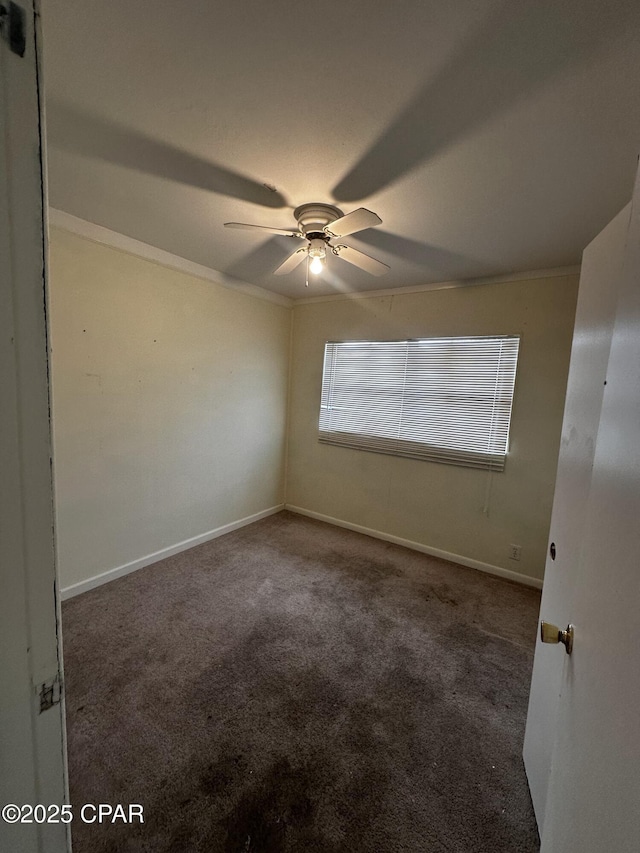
(357, 220)
(246, 227)
(292, 261)
(359, 259)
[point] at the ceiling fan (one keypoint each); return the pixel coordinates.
(318, 224)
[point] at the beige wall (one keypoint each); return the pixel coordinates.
(466, 512)
(169, 397)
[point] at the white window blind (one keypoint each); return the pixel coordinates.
(441, 399)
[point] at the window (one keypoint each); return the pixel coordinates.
(441, 399)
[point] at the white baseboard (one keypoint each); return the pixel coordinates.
(490, 569)
(134, 565)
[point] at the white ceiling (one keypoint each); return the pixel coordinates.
(490, 137)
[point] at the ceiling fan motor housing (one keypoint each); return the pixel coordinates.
(312, 218)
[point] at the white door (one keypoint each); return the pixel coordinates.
(582, 746)
(31, 717)
(595, 314)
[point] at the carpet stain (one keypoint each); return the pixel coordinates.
(276, 802)
(225, 772)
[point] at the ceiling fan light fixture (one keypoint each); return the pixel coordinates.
(317, 255)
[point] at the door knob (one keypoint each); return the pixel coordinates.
(552, 634)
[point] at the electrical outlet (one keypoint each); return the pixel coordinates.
(515, 552)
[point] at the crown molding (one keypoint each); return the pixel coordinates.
(527, 275)
(116, 240)
(107, 237)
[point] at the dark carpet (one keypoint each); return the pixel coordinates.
(293, 686)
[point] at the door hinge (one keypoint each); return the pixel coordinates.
(50, 693)
(13, 26)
